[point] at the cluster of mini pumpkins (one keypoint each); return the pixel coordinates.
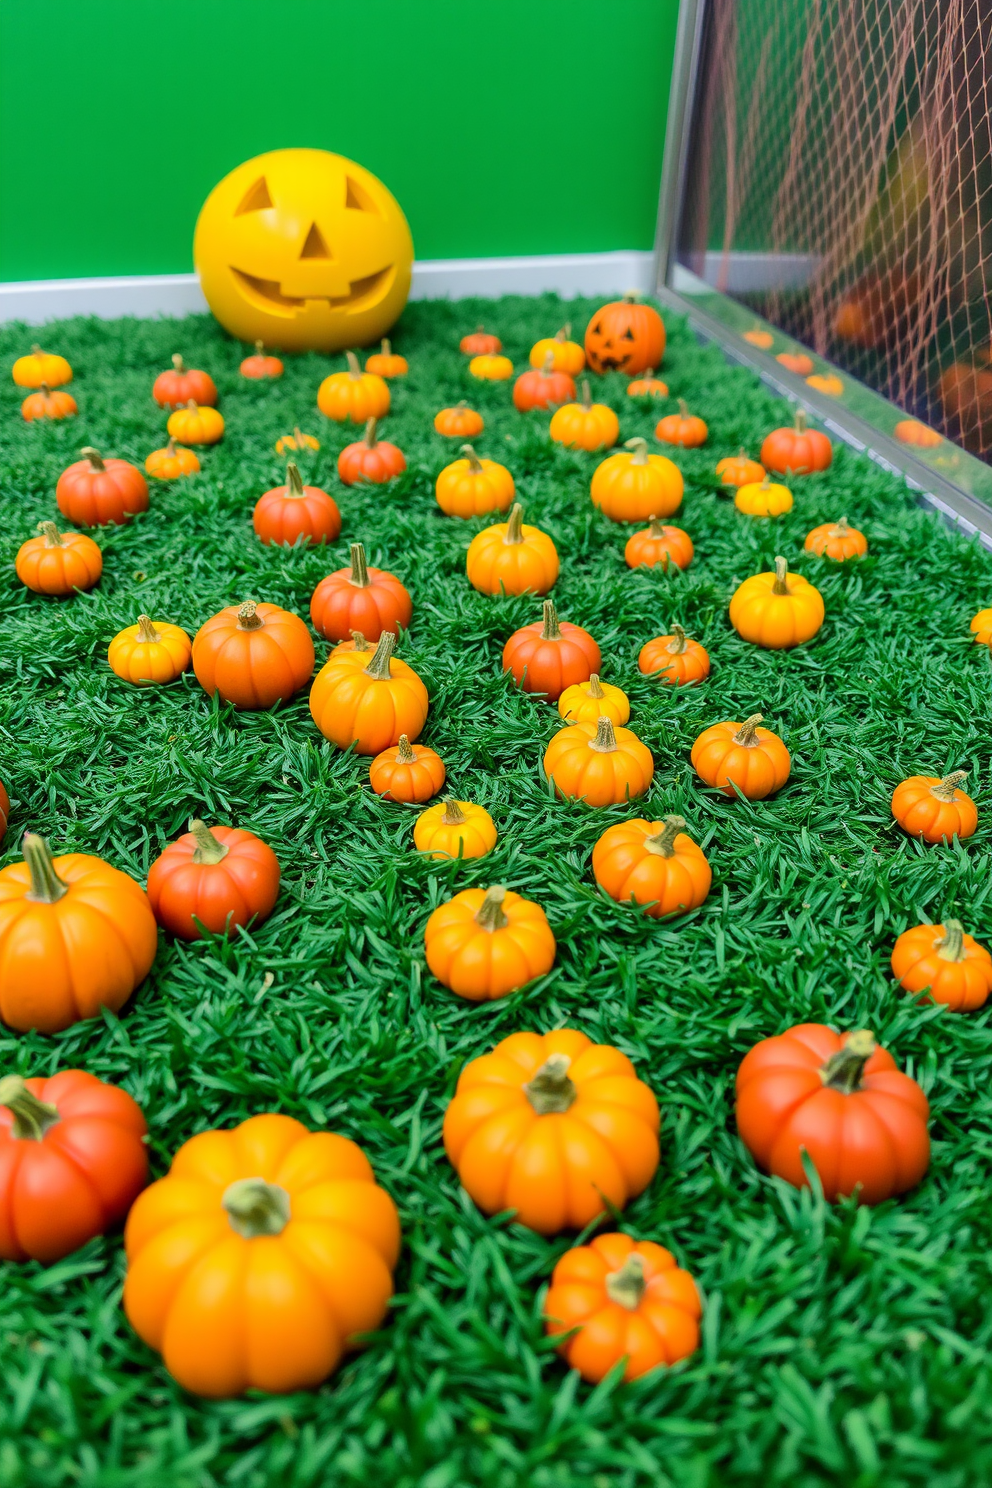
(267, 1249)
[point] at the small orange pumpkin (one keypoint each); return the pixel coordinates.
(544, 388)
(386, 362)
(407, 772)
(370, 459)
(58, 562)
(636, 487)
(625, 336)
(182, 385)
(796, 451)
(678, 660)
(360, 598)
(41, 368)
(942, 964)
(485, 943)
(933, 808)
(510, 558)
(598, 763)
(685, 429)
(836, 540)
(912, 431)
(196, 425)
(777, 610)
(293, 511)
(94, 492)
(586, 425)
(739, 470)
(796, 362)
(586, 702)
(550, 654)
(647, 386)
(460, 422)
(567, 355)
(261, 366)
(253, 655)
(50, 404)
(658, 544)
(296, 442)
(173, 461)
(491, 368)
(480, 342)
(741, 759)
(354, 394)
(471, 487)
(652, 864)
(981, 626)
(368, 703)
(150, 652)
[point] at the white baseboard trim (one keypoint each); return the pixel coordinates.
(36, 301)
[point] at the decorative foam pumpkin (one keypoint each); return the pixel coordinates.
(586, 425)
(261, 366)
(763, 340)
(550, 655)
(460, 422)
(41, 368)
(585, 702)
(826, 382)
(912, 431)
(685, 429)
(935, 809)
(370, 703)
(981, 626)
(739, 470)
(545, 388)
(196, 425)
(94, 491)
(795, 362)
(484, 944)
(636, 487)
(575, 1129)
(454, 829)
(480, 343)
(741, 759)
(567, 355)
(647, 386)
(253, 655)
(296, 442)
(213, 878)
(677, 660)
(944, 964)
(260, 1257)
(4, 810)
(836, 540)
(293, 511)
(472, 487)
(776, 610)
(618, 1299)
(171, 462)
(838, 1099)
(598, 763)
(151, 652)
(387, 362)
(625, 337)
(72, 1162)
(58, 562)
(369, 600)
(652, 864)
(50, 404)
(181, 386)
(354, 395)
(407, 772)
(763, 498)
(370, 459)
(796, 451)
(658, 544)
(491, 368)
(75, 936)
(510, 558)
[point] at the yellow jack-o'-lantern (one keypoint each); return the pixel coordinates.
(303, 250)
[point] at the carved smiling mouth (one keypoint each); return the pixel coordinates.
(267, 294)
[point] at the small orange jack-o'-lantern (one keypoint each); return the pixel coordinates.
(303, 250)
(625, 337)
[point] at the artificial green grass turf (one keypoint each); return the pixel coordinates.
(839, 1344)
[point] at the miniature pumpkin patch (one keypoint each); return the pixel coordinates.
(550, 655)
(510, 558)
(585, 702)
(486, 943)
(58, 562)
(912, 431)
(94, 491)
(685, 429)
(636, 487)
(647, 386)
(625, 337)
(368, 702)
(213, 878)
(566, 355)
(454, 829)
(739, 470)
(353, 395)
(41, 368)
(658, 544)
(471, 487)
(653, 864)
(586, 425)
(48, 404)
(763, 498)
(193, 424)
(480, 342)
(253, 655)
(363, 598)
(182, 385)
(153, 652)
(386, 362)
(543, 388)
(72, 1162)
(370, 459)
(173, 461)
(489, 368)
(826, 382)
(676, 659)
(598, 763)
(776, 610)
(836, 540)
(407, 772)
(797, 450)
(838, 1099)
(460, 422)
(293, 511)
(933, 808)
(742, 759)
(619, 1299)
(796, 362)
(943, 964)
(553, 1126)
(763, 340)
(296, 442)
(76, 935)
(260, 1257)
(981, 627)
(260, 366)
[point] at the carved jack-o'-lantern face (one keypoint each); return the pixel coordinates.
(625, 337)
(303, 250)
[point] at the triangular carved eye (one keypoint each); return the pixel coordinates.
(257, 199)
(314, 247)
(358, 199)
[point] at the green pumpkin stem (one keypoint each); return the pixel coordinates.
(354, 370)
(147, 634)
(841, 528)
(626, 1286)
(656, 529)
(746, 735)
(514, 526)
(586, 395)
(663, 842)
(640, 448)
(248, 616)
(551, 1091)
(405, 754)
(359, 567)
(683, 409)
(387, 350)
(32, 1117)
(178, 363)
(678, 644)
(46, 886)
(944, 789)
(950, 947)
(605, 741)
(52, 535)
(209, 849)
(378, 667)
(294, 480)
(359, 643)
(94, 457)
(595, 689)
(474, 463)
(844, 1069)
(453, 815)
(781, 574)
(564, 333)
(800, 421)
(489, 916)
(549, 364)
(369, 441)
(255, 1207)
(550, 630)
(259, 348)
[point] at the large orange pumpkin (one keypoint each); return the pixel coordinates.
(94, 491)
(625, 337)
(368, 702)
(253, 655)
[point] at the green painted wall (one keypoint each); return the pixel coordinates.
(502, 126)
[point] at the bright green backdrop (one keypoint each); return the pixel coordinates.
(503, 126)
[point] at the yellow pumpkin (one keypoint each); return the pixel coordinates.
(454, 829)
(584, 702)
(763, 498)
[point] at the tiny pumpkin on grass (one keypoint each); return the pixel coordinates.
(58, 563)
(460, 422)
(677, 660)
(636, 487)
(253, 655)
(387, 362)
(510, 558)
(288, 513)
(647, 386)
(739, 470)
(370, 459)
(93, 491)
(777, 610)
(41, 367)
(934, 808)
(259, 366)
(407, 772)
(798, 450)
(480, 342)
(195, 424)
(472, 487)
(48, 403)
(173, 461)
(981, 627)
(454, 829)
(836, 540)
(353, 395)
(550, 654)
(213, 878)
(485, 943)
(543, 388)
(360, 597)
(150, 653)
(296, 443)
(940, 963)
(658, 544)
(685, 429)
(585, 702)
(598, 763)
(488, 367)
(181, 385)
(585, 425)
(763, 498)
(368, 702)
(653, 864)
(566, 355)
(741, 759)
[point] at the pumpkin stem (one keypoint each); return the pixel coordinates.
(170, 448)
(46, 886)
(359, 643)
(781, 573)
(841, 529)
(950, 947)
(474, 463)
(656, 529)
(94, 456)
(404, 752)
(53, 537)
(255, 1207)
(549, 364)
(766, 481)
(551, 1091)
(605, 741)
(178, 363)
(683, 409)
(192, 403)
(800, 421)
(298, 439)
(640, 448)
(259, 347)
(147, 634)
(359, 567)
(678, 644)
(369, 440)
(564, 333)
(209, 849)
(37, 351)
(489, 915)
(378, 667)
(626, 1286)
(354, 370)
(631, 297)
(944, 789)
(586, 395)
(514, 526)
(387, 350)
(663, 842)
(550, 630)
(453, 815)
(747, 733)
(248, 616)
(844, 1069)
(294, 481)
(45, 390)
(595, 687)
(32, 1117)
